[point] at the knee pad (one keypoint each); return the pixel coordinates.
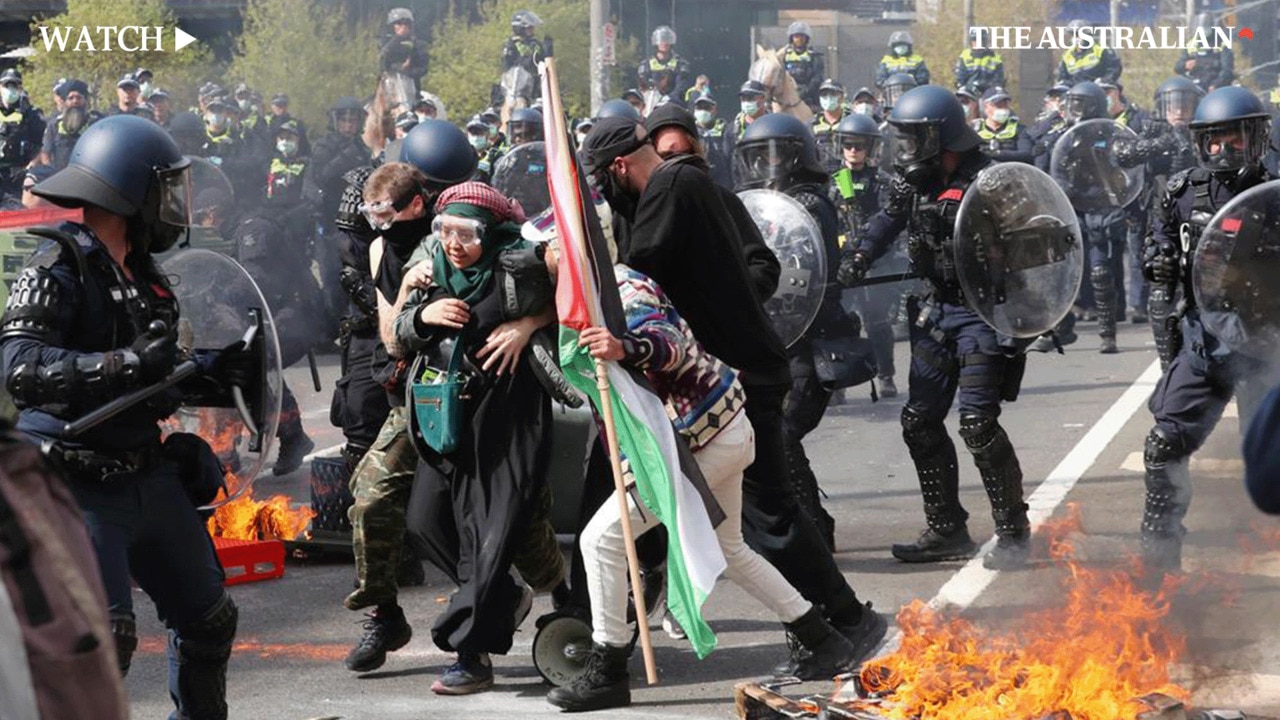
(918, 431)
(124, 630)
(978, 429)
(210, 638)
(1163, 447)
(1101, 277)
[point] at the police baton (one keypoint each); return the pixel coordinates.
(120, 404)
(315, 370)
(883, 280)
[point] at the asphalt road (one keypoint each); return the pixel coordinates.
(1078, 427)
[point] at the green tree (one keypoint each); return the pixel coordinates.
(466, 54)
(179, 72)
(311, 50)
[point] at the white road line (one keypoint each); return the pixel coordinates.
(968, 583)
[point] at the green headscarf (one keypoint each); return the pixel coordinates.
(471, 283)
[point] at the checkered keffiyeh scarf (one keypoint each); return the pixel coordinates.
(482, 196)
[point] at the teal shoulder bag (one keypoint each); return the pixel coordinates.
(436, 401)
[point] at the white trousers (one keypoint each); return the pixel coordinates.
(722, 462)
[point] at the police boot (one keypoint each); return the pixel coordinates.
(603, 684)
(1104, 298)
(946, 537)
(124, 630)
(1002, 478)
(385, 631)
(1168, 496)
(295, 445)
(203, 649)
(818, 651)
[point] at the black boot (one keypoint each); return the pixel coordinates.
(818, 651)
(385, 631)
(294, 446)
(1002, 478)
(603, 684)
(934, 455)
(203, 649)
(1168, 495)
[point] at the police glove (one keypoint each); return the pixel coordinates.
(157, 351)
(853, 267)
(1160, 265)
(235, 365)
(548, 49)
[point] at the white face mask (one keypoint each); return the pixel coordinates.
(286, 147)
(145, 89)
(10, 95)
(582, 138)
(244, 104)
(1001, 115)
(829, 102)
(479, 142)
(900, 49)
(750, 107)
(863, 108)
(423, 117)
(703, 117)
(215, 121)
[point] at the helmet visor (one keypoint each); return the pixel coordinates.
(1077, 107)
(868, 144)
(1231, 146)
(1177, 106)
(914, 142)
(892, 93)
(175, 196)
(766, 162)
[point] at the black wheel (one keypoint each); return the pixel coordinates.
(560, 649)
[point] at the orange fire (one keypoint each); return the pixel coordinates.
(1087, 660)
(248, 519)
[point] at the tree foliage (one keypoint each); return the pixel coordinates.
(178, 72)
(466, 54)
(313, 51)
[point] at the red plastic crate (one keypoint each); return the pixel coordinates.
(250, 560)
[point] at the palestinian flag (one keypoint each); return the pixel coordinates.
(587, 295)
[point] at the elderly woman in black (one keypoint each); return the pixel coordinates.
(471, 506)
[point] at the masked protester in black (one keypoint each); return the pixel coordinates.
(680, 237)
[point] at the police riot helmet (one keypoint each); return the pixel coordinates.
(131, 167)
(345, 107)
(1084, 101)
(1076, 25)
(858, 128)
(441, 151)
(400, 15)
(188, 131)
(525, 20)
(1176, 100)
(524, 126)
(776, 152)
(1203, 21)
(927, 120)
(901, 37)
(618, 108)
(1230, 130)
(663, 34)
(800, 27)
(895, 86)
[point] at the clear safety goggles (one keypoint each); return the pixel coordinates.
(382, 214)
(464, 231)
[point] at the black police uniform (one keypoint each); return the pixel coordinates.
(273, 126)
(671, 77)
(1008, 143)
(1214, 68)
(60, 140)
(807, 68)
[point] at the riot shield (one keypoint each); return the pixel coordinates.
(1084, 165)
(1235, 271)
(521, 175)
(518, 87)
(398, 89)
(794, 236)
(218, 303)
(1018, 249)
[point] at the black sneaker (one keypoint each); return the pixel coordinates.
(470, 674)
(866, 634)
(291, 453)
(385, 631)
(603, 684)
(933, 546)
(1010, 553)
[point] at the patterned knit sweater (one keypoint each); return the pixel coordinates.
(702, 393)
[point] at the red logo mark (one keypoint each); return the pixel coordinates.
(1246, 33)
(1231, 225)
(952, 194)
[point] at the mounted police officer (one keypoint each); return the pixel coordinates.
(778, 152)
(953, 351)
(1229, 131)
(979, 68)
(92, 319)
(665, 71)
(1002, 134)
(61, 135)
(1204, 63)
(901, 58)
(859, 189)
(823, 125)
(525, 50)
(1094, 63)
(804, 64)
(399, 50)
(21, 133)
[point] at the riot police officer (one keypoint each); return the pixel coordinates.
(61, 135)
(399, 50)
(525, 50)
(1004, 138)
(1095, 63)
(617, 107)
(895, 86)
(335, 154)
(901, 58)
(1126, 114)
(1205, 64)
(21, 133)
(91, 319)
(804, 64)
(525, 126)
(858, 188)
(823, 125)
(1229, 131)
(778, 152)
(665, 71)
(954, 353)
(979, 68)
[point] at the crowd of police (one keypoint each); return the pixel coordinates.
(412, 240)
